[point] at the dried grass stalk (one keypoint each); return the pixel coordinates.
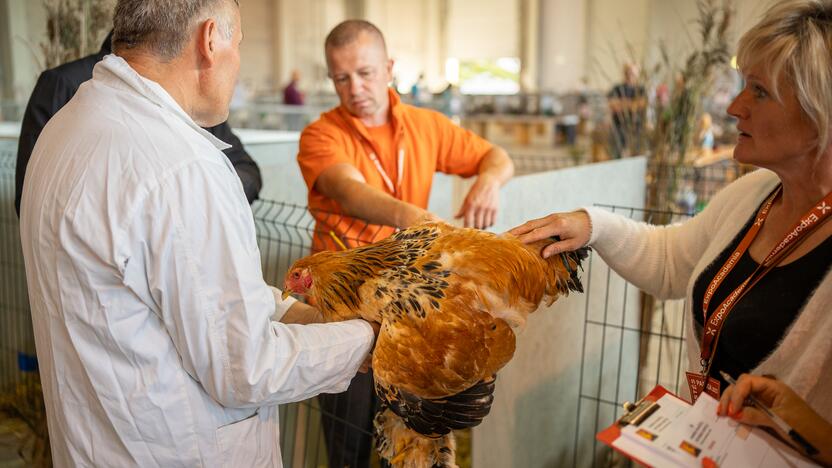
(74, 29)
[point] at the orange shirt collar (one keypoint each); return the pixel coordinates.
(396, 112)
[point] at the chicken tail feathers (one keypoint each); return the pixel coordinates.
(406, 448)
(567, 266)
(417, 432)
(573, 262)
(437, 417)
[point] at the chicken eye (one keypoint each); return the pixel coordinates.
(296, 275)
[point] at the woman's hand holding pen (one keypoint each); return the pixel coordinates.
(773, 393)
(785, 403)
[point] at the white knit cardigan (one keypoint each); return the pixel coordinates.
(666, 261)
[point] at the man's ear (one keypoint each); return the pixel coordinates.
(390, 63)
(206, 39)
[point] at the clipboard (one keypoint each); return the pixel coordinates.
(634, 414)
(663, 429)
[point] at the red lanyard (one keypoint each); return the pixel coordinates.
(799, 232)
(394, 189)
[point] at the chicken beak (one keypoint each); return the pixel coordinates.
(286, 294)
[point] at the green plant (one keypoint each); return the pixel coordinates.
(672, 136)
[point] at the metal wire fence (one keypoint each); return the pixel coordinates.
(17, 363)
(631, 343)
(683, 187)
(20, 392)
(316, 432)
(285, 233)
(531, 161)
(687, 188)
(631, 340)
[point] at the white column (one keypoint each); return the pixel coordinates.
(5, 53)
(617, 33)
(563, 44)
(256, 50)
(26, 29)
(433, 40)
(355, 8)
(529, 22)
(299, 30)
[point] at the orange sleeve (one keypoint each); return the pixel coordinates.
(321, 146)
(460, 150)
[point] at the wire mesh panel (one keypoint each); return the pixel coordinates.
(631, 342)
(17, 362)
(316, 432)
(21, 399)
(685, 188)
(287, 232)
(531, 161)
(688, 187)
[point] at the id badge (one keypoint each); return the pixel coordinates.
(696, 382)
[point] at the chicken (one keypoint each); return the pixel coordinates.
(449, 302)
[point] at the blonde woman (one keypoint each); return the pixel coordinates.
(755, 264)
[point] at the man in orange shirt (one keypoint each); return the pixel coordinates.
(372, 160)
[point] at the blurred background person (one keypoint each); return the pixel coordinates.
(292, 96)
(419, 93)
(627, 102)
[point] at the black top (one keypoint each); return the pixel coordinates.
(626, 92)
(56, 86)
(760, 319)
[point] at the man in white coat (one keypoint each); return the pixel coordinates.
(152, 319)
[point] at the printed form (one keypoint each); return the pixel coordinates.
(678, 434)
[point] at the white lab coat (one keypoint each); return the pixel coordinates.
(151, 316)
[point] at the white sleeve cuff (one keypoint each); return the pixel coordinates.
(280, 305)
(596, 217)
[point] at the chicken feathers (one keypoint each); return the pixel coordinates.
(449, 301)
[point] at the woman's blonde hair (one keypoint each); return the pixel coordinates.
(794, 40)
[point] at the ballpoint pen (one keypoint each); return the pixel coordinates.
(778, 421)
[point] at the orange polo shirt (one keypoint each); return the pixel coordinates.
(429, 141)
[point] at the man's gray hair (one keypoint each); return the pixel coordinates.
(163, 27)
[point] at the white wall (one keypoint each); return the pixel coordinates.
(483, 29)
(617, 33)
(533, 418)
(27, 28)
(673, 22)
(621, 31)
(422, 35)
(298, 31)
(414, 35)
(281, 35)
(576, 38)
(256, 58)
(563, 44)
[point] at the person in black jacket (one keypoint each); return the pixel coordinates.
(56, 86)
